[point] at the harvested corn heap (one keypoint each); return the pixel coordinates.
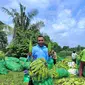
(70, 81)
(38, 70)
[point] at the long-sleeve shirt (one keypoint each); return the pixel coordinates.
(82, 55)
(40, 52)
(74, 55)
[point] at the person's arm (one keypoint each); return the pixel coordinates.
(81, 53)
(76, 55)
(33, 52)
(54, 57)
(49, 54)
(30, 54)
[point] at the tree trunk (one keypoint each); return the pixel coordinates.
(14, 35)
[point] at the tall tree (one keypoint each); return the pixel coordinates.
(23, 30)
(6, 28)
(4, 31)
(78, 48)
(65, 47)
(22, 20)
(3, 40)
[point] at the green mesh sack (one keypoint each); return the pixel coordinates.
(77, 61)
(3, 70)
(12, 59)
(50, 63)
(25, 65)
(26, 78)
(48, 81)
(62, 72)
(23, 59)
(13, 66)
(2, 63)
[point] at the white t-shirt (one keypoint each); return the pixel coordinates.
(74, 55)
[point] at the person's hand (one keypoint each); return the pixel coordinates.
(30, 54)
(54, 55)
(49, 53)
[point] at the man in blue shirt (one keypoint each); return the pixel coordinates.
(40, 50)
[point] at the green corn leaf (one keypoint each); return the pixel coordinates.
(30, 46)
(49, 47)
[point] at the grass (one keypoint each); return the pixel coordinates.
(12, 78)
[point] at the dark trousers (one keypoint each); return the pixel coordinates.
(30, 82)
(54, 61)
(82, 64)
(74, 60)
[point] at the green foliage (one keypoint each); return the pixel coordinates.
(64, 53)
(56, 47)
(65, 47)
(77, 48)
(3, 40)
(47, 39)
(18, 50)
(2, 55)
(19, 47)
